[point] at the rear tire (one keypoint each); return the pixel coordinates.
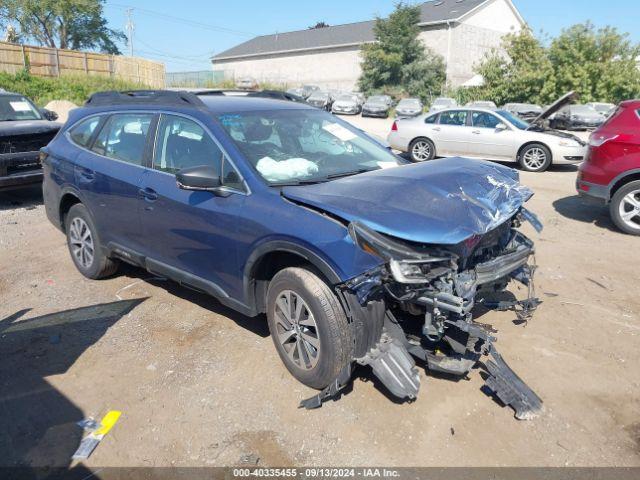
(422, 150)
(535, 158)
(308, 326)
(84, 245)
(625, 208)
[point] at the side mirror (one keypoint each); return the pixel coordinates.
(49, 115)
(198, 178)
(502, 126)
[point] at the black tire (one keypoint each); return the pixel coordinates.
(535, 152)
(425, 143)
(618, 203)
(331, 327)
(100, 266)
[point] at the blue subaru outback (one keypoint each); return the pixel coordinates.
(355, 255)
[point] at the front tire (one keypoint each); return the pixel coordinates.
(308, 326)
(535, 158)
(422, 150)
(84, 245)
(625, 208)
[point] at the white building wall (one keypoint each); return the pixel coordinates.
(497, 15)
(338, 69)
(463, 47)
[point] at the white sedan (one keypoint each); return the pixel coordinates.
(486, 134)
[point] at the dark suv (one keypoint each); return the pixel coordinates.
(280, 208)
(24, 130)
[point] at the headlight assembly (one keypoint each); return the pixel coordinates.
(406, 265)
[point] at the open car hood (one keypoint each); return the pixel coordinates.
(439, 202)
(562, 102)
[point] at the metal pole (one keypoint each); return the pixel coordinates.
(130, 27)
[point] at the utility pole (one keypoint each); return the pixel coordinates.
(129, 27)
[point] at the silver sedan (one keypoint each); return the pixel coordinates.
(485, 134)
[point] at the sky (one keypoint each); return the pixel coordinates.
(184, 35)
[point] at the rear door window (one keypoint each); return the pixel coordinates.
(453, 117)
(81, 134)
(123, 137)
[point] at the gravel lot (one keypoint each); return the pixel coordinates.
(201, 385)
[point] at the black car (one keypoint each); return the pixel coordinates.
(24, 130)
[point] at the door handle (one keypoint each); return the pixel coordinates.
(476, 132)
(87, 174)
(148, 194)
(436, 129)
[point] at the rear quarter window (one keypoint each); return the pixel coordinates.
(81, 134)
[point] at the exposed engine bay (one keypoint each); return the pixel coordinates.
(419, 304)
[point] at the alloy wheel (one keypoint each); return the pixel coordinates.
(629, 209)
(81, 241)
(421, 151)
(296, 330)
(535, 158)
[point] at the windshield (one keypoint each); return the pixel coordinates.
(444, 101)
(303, 146)
(377, 99)
(319, 96)
(604, 107)
(582, 110)
(514, 120)
(528, 107)
(409, 103)
(483, 104)
(17, 107)
(346, 98)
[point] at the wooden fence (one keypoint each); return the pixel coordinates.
(54, 62)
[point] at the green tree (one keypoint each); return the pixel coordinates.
(74, 24)
(599, 64)
(521, 72)
(398, 61)
(321, 24)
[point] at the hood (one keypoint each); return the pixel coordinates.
(376, 104)
(27, 127)
(408, 108)
(344, 103)
(556, 106)
(439, 202)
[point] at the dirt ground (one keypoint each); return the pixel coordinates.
(200, 385)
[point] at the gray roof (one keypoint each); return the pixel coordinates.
(433, 12)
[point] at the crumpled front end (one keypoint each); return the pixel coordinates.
(418, 306)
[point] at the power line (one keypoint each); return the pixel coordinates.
(207, 55)
(185, 21)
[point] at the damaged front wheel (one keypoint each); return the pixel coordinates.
(308, 326)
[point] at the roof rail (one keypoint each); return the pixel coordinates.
(144, 97)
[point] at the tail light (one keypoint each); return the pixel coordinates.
(597, 139)
(394, 127)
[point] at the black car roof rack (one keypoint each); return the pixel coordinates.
(144, 97)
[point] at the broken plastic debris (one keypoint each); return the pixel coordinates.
(88, 424)
(275, 171)
(91, 441)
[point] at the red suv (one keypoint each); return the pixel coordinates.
(611, 171)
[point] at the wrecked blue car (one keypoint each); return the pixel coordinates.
(355, 255)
